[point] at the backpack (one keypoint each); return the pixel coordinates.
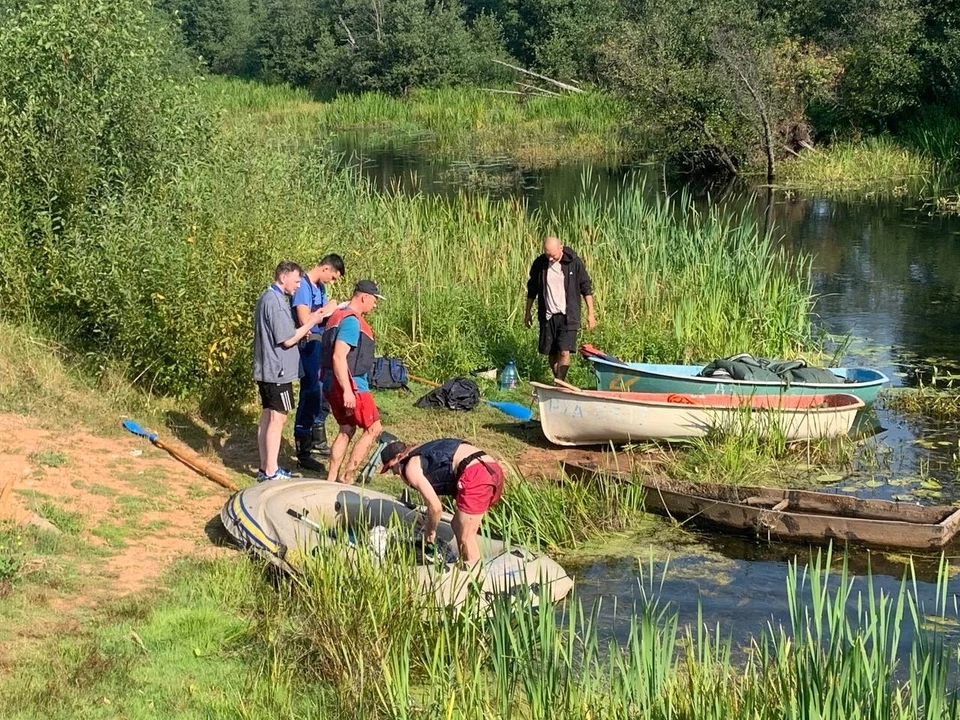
(456, 394)
(387, 373)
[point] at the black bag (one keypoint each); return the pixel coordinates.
(387, 373)
(457, 394)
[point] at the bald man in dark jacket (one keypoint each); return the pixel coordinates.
(558, 279)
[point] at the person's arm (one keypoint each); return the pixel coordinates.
(532, 290)
(279, 321)
(586, 290)
(303, 314)
(591, 316)
(328, 309)
(342, 373)
(527, 315)
(302, 331)
(414, 477)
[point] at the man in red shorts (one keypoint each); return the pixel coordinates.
(347, 352)
(454, 468)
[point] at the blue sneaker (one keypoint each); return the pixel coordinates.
(280, 474)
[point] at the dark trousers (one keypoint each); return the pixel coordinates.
(312, 406)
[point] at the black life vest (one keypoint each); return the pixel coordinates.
(436, 461)
(360, 358)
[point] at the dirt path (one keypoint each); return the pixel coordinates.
(136, 505)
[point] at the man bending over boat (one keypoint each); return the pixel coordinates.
(449, 467)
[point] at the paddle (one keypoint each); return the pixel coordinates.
(514, 410)
(568, 386)
(194, 464)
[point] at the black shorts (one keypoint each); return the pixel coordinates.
(557, 336)
(276, 396)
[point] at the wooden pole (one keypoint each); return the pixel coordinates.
(565, 86)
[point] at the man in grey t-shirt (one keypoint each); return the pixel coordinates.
(276, 363)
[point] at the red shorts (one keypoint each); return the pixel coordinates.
(478, 489)
(363, 416)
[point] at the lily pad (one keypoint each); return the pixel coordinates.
(931, 484)
(941, 623)
(902, 482)
(873, 483)
(829, 478)
(903, 498)
(849, 489)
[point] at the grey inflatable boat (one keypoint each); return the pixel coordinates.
(284, 521)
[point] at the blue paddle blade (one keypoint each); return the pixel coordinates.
(137, 430)
(514, 410)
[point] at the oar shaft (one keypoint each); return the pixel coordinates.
(198, 466)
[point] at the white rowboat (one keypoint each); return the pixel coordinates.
(592, 417)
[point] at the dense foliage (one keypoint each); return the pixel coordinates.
(718, 83)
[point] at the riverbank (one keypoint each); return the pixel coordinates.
(132, 608)
(457, 123)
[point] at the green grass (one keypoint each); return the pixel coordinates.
(456, 123)
(882, 164)
(64, 520)
(352, 641)
(49, 458)
(114, 534)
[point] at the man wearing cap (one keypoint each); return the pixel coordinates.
(453, 468)
(309, 429)
(347, 351)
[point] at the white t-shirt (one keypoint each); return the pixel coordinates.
(555, 293)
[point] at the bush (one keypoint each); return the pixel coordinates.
(95, 106)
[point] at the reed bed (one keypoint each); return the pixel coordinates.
(167, 281)
(838, 656)
(458, 123)
(875, 163)
(169, 285)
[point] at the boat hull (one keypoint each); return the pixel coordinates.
(590, 417)
(803, 516)
(863, 383)
(258, 518)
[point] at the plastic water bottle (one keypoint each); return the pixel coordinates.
(509, 377)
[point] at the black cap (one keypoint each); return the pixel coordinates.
(369, 287)
(390, 452)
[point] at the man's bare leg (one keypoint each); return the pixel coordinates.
(360, 449)
(465, 528)
(272, 436)
(338, 451)
(563, 364)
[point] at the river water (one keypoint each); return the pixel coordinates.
(887, 278)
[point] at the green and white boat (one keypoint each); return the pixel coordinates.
(863, 383)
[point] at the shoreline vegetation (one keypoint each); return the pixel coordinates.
(141, 212)
(349, 640)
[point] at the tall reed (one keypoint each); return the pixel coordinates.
(839, 657)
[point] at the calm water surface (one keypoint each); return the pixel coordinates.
(887, 279)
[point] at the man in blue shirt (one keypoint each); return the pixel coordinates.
(346, 356)
(309, 430)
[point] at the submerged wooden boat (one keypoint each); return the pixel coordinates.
(798, 515)
(591, 417)
(286, 521)
(864, 383)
